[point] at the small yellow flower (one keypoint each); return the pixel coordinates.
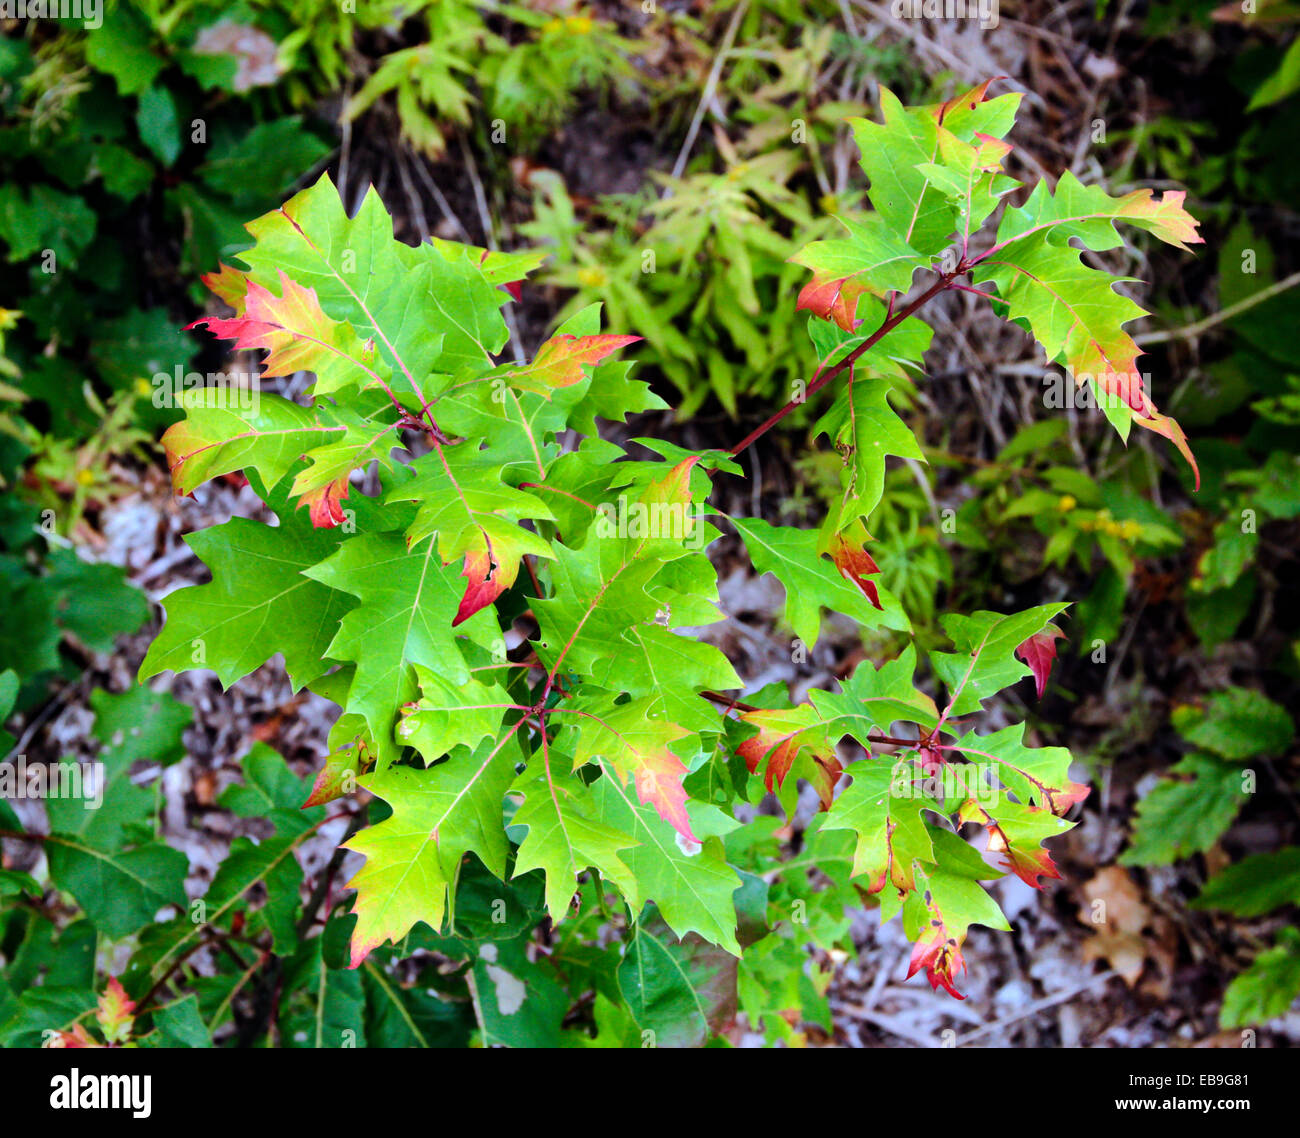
(829, 204)
(552, 26)
(580, 25)
(143, 388)
(1130, 530)
(85, 477)
(590, 277)
(1087, 525)
(1066, 503)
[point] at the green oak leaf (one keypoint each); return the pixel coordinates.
(691, 882)
(258, 603)
(985, 660)
(413, 857)
(563, 838)
(890, 827)
(353, 265)
(811, 582)
(1037, 776)
(221, 434)
(450, 715)
(865, 429)
(408, 601)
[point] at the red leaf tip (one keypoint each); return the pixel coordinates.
(1038, 652)
(940, 956)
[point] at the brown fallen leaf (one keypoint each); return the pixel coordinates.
(1128, 933)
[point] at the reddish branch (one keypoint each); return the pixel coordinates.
(823, 378)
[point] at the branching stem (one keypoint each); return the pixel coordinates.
(891, 322)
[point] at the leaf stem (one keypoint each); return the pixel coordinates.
(727, 703)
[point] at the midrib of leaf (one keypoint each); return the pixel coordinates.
(974, 659)
(894, 167)
(778, 554)
(1044, 789)
(254, 435)
(432, 835)
(69, 1024)
(528, 430)
(410, 620)
(343, 463)
(113, 780)
(100, 855)
(399, 671)
(591, 608)
(262, 873)
(229, 999)
(1079, 321)
(299, 335)
(713, 781)
(1048, 225)
(476, 776)
(264, 605)
(321, 985)
(828, 723)
(360, 303)
(649, 663)
(851, 483)
(681, 972)
(452, 320)
(555, 801)
(925, 185)
(622, 793)
(402, 1009)
(470, 513)
(613, 731)
(426, 705)
(972, 175)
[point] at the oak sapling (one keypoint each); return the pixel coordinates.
(603, 746)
